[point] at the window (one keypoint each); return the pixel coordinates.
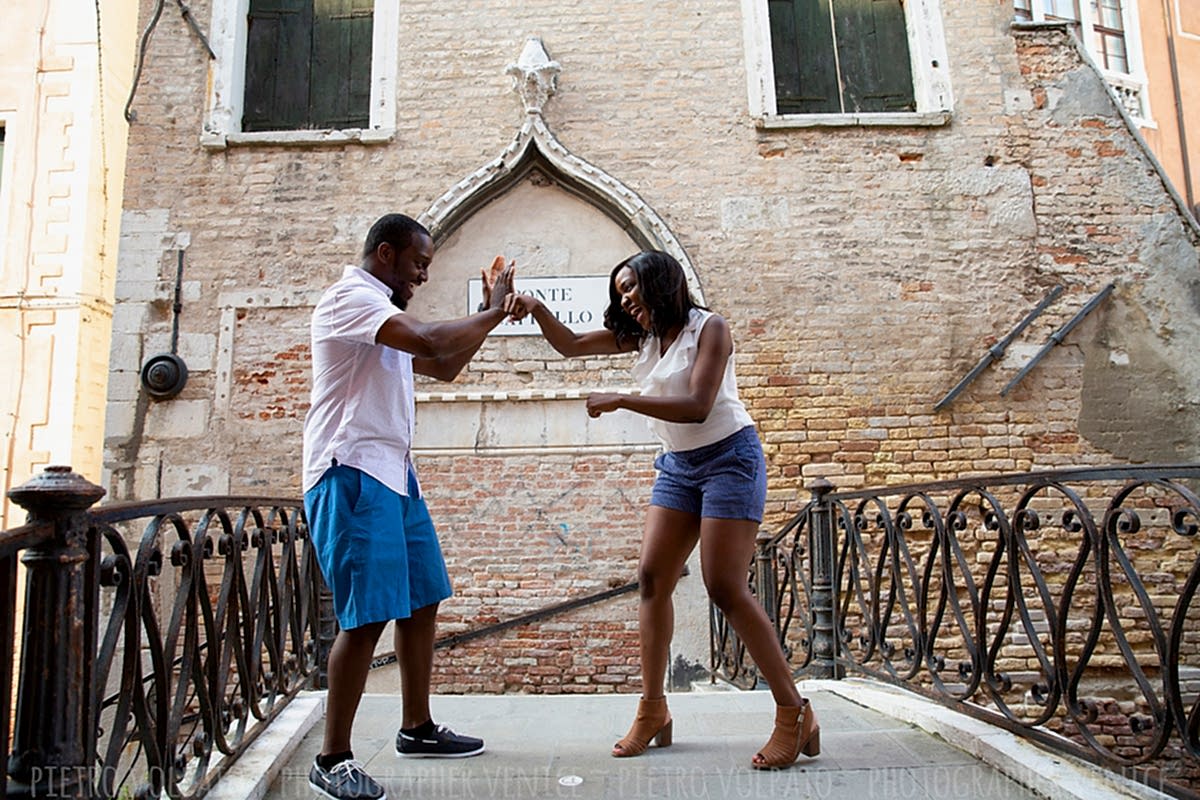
(1108, 29)
(3, 183)
(308, 64)
(1108, 35)
(846, 62)
(5, 189)
(835, 56)
(1109, 32)
(1050, 9)
(302, 71)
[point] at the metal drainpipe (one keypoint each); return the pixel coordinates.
(1179, 118)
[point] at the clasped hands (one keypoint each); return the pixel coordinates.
(498, 292)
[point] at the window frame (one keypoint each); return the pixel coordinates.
(1181, 29)
(7, 154)
(928, 63)
(1131, 87)
(227, 83)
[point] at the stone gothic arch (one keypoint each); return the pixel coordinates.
(535, 148)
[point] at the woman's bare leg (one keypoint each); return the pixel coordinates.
(726, 547)
(668, 538)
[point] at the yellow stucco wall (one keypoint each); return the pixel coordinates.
(1171, 29)
(61, 105)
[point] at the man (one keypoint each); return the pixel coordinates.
(370, 527)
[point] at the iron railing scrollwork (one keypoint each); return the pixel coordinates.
(196, 620)
(784, 587)
(1060, 605)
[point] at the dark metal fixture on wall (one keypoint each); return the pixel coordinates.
(165, 375)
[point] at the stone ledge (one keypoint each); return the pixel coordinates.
(1057, 776)
(253, 773)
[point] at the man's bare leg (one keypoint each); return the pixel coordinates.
(349, 661)
(414, 640)
(419, 737)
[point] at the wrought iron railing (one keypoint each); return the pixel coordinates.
(159, 638)
(12, 542)
(1058, 605)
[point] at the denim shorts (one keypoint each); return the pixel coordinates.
(725, 479)
(378, 550)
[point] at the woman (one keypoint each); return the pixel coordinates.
(711, 485)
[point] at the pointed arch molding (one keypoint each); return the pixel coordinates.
(535, 79)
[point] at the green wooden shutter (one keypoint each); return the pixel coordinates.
(803, 56)
(340, 94)
(308, 64)
(840, 56)
(278, 54)
(872, 46)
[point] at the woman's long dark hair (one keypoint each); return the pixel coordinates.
(664, 291)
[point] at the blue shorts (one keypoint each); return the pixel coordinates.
(725, 479)
(378, 550)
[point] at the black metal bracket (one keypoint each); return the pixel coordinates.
(1059, 335)
(996, 351)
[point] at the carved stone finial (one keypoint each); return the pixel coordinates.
(535, 76)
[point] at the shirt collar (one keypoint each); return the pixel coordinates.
(356, 271)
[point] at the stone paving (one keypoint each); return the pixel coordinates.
(877, 742)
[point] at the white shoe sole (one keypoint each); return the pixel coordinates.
(440, 755)
(324, 793)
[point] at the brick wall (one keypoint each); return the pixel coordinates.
(864, 271)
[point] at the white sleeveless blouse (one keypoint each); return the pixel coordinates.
(668, 374)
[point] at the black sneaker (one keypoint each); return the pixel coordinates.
(345, 780)
(442, 743)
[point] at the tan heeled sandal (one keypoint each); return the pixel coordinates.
(653, 721)
(796, 731)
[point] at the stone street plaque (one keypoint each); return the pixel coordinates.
(578, 301)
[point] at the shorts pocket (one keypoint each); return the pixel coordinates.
(749, 458)
(357, 498)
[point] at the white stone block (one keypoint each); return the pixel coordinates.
(124, 387)
(145, 474)
(177, 419)
(126, 351)
(158, 341)
(130, 290)
(194, 479)
(198, 351)
(119, 417)
(1017, 101)
(754, 213)
(129, 318)
(145, 221)
(483, 423)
